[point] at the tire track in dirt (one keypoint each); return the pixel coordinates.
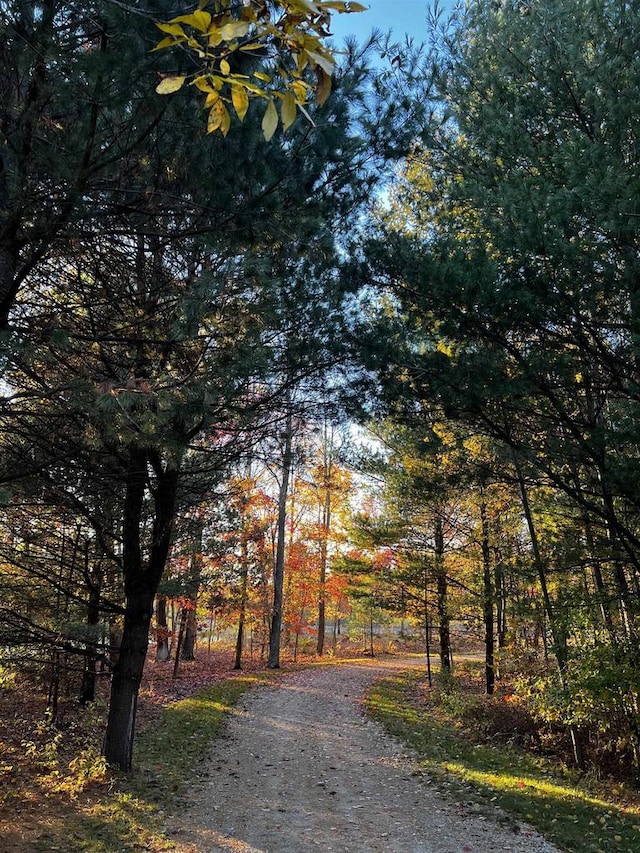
(301, 769)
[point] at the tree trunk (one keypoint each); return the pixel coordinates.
(125, 684)
(296, 642)
(322, 598)
(188, 651)
(442, 598)
(141, 580)
(192, 589)
(244, 580)
(501, 602)
(8, 270)
(181, 630)
(427, 630)
(557, 634)
(162, 629)
(278, 572)
(487, 598)
(88, 686)
(371, 649)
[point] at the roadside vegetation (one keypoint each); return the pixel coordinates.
(489, 753)
(59, 795)
(171, 758)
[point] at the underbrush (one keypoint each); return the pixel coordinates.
(130, 814)
(491, 753)
(56, 792)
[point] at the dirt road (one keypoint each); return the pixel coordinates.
(302, 770)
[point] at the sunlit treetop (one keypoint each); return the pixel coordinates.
(287, 40)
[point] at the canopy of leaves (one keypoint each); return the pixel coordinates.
(258, 48)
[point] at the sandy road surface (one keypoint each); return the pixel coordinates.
(301, 770)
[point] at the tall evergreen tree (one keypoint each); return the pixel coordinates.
(515, 265)
(150, 333)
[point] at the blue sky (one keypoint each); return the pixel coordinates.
(401, 16)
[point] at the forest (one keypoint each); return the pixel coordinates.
(308, 348)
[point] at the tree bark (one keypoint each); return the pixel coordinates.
(427, 628)
(442, 597)
(127, 675)
(487, 599)
(162, 629)
(190, 633)
(141, 579)
(324, 543)
(179, 640)
(501, 601)
(244, 580)
(278, 571)
(94, 578)
(557, 634)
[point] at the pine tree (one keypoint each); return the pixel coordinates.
(148, 336)
(512, 255)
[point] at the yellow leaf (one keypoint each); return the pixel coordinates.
(325, 62)
(170, 84)
(172, 29)
(199, 20)
(300, 91)
(225, 68)
(215, 37)
(248, 12)
(445, 348)
(288, 111)
(165, 42)
(323, 87)
(270, 121)
(306, 115)
(304, 6)
(240, 100)
(203, 84)
(216, 116)
(225, 124)
(202, 20)
(211, 99)
(235, 29)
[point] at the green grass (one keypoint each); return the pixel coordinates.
(170, 753)
(576, 817)
(129, 815)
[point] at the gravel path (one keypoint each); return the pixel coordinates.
(302, 770)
